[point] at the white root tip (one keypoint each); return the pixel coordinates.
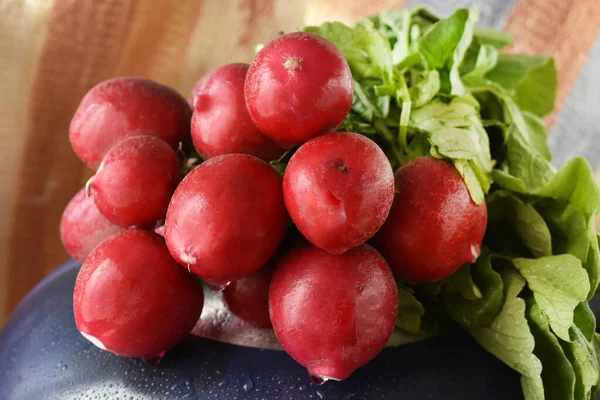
(88, 186)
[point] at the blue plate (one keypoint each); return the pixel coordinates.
(43, 356)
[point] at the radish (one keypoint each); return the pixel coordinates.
(338, 189)
(123, 107)
(83, 227)
(131, 298)
(434, 227)
(333, 313)
(135, 181)
(248, 297)
(221, 123)
(226, 218)
(298, 86)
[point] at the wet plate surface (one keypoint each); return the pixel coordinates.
(44, 357)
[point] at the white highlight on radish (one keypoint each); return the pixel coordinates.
(475, 251)
(95, 341)
(187, 258)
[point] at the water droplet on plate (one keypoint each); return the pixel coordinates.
(302, 388)
(248, 384)
(321, 395)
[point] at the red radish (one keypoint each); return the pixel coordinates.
(298, 86)
(338, 189)
(135, 181)
(83, 227)
(226, 218)
(248, 297)
(434, 227)
(221, 123)
(123, 107)
(333, 313)
(133, 299)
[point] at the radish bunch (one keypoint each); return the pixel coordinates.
(232, 220)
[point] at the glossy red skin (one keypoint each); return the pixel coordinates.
(221, 123)
(128, 106)
(248, 297)
(226, 218)
(292, 104)
(333, 313)
(135, 181)
(434, 227)
(338, 188)
(83, 227)
(134, 298)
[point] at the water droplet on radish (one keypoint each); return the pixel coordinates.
(317, 380)
(217, 286)
(153, 361)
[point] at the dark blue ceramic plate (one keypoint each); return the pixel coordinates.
(42, 356)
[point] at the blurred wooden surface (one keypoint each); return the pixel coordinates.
(53, 51)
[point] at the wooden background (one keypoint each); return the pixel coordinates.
(53, 51)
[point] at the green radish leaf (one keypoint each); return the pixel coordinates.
(537, 134)
(367, 51)
(525, 164)
(585, 320)
(498, 39)
(463, 283)
(478, 299)
(465, 169)
(532, 80)
(456, 143)
(426, 89)
(559, 283)
(581, 354)
(367, 104)
(395, 25)
(353, 123)
(509, 338)
(557, 375)
(485, 61)
(410, 311)
(532, 229)
(528, 224)
(567, 225)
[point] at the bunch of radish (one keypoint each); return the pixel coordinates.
(233, 219)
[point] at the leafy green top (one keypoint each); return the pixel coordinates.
(442, 87)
